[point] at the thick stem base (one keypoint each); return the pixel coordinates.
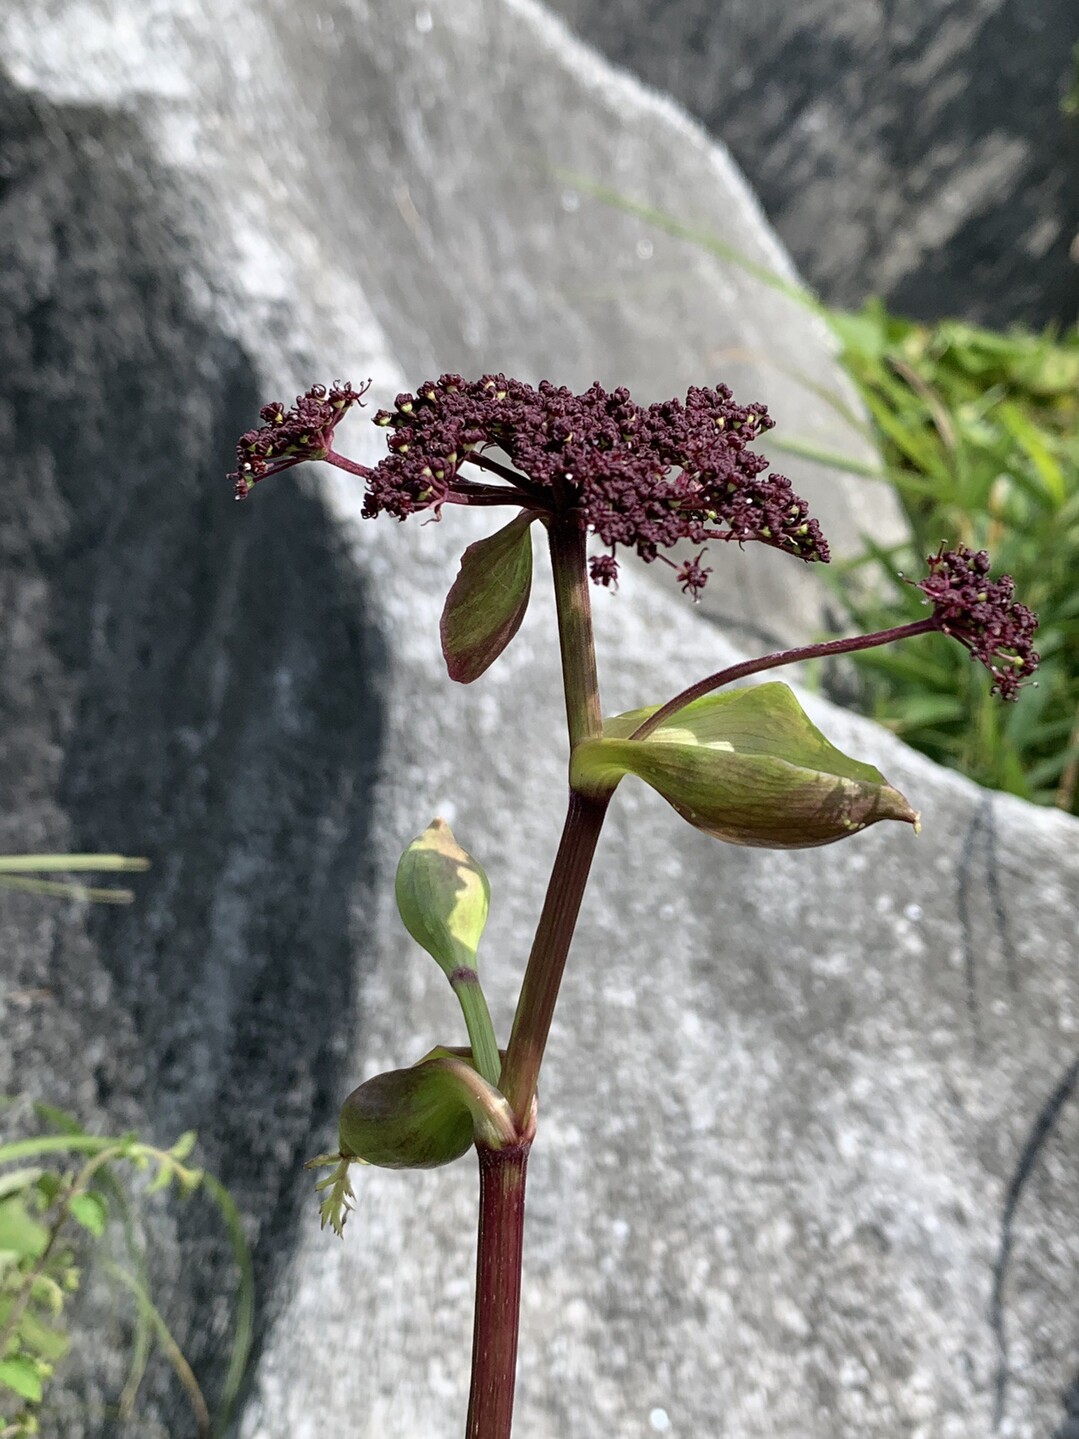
(498, 1291)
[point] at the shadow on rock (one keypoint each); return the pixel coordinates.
(185, 678)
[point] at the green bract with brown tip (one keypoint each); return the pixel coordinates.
(425, 1116)
(443, 896)
(488, 599)
(748, 767)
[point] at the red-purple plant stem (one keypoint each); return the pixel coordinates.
(547, 962)
(470, 494)
(344, 463)
(498, 1291)
(580, 833)
(464, 493)
(519, 481)
(502, 1173)
(781, 657)
(580, 679)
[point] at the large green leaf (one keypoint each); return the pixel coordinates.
(488, 599)
(746, 766)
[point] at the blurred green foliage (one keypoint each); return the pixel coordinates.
(51, 1220)
(54, 1219)
(1070, 104)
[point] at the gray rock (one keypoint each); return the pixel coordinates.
(910, 149)
(807, 1156)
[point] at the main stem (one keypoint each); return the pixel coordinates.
(502, 1172)
(566, 538)
(498, 1291)
(546, 963)
(580, 834)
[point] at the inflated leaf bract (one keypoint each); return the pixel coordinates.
(425, 1116)
(747, 766)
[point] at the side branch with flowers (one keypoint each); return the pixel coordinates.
(746, 766)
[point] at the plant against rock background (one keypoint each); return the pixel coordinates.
(747, 766)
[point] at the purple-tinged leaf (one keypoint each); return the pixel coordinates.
(488, 599)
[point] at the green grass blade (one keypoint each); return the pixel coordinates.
(58, 889)
(24, 863)
(169, 1347)
(243, 1325)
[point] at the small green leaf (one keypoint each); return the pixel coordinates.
(91, 1212)
(49, 1186)
(161, 1180)
(50, 1344)
(443, 896)
(48, 1293)
(746, 766)
(18, 1179)
(58, 1118)
(188, 1180)
(20, 1233)
(426, 1116)
(184, 1145)
(22, 1375)
(488, 599)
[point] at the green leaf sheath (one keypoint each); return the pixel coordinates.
(748, 767)
(424, 1117)
(443, 897)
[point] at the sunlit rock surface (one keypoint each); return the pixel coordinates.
(915, 149)
(807, 1163)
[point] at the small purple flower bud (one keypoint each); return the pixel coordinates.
(604, 570)
(983, 615)
(288, 437)
(693, 578)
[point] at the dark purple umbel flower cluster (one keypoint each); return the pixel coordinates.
(641, 478)
(287, 437)
(983, 615)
